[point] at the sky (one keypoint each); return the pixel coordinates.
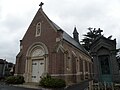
(16, 16)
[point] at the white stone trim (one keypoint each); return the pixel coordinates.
(38, 27)
(60, 47)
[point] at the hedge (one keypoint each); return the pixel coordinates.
(50, 82)
(14, 80)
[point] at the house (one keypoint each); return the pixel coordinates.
(5, 68)
(2, 68)
(103, 51)
(46, 48)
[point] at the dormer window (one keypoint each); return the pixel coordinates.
(38, 29)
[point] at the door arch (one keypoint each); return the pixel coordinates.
(36, 62)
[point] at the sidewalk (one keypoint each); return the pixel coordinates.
(34, 86)
(29, 85)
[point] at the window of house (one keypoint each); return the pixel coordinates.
(73, 64)
(86, 69)
(38, 29)
(90, 69)
(78, 65)
(86, 66)
(81, 65)
(81, 69)
(68, 61)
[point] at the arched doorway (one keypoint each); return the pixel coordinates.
(36, 62)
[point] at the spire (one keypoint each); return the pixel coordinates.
(76, 35)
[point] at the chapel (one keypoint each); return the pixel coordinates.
(48, 49)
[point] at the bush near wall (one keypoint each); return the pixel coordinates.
(50, 82)
(14, 80)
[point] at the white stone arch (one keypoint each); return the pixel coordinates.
(36, 51)
(60, 47)
(74, 54)
(36, 45)
(67, 61)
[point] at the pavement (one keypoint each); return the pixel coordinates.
(37, 87)
(29, 85)
(25, 85)
(33, 86)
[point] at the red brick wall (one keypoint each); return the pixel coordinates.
(48, 37)
(60, 62)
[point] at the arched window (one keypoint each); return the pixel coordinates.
(38, 29)
(68, 61)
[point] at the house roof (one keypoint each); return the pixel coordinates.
(2, 61)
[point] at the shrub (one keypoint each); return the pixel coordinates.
(14, 80)
(19, 80)
(10, 80)
(50, 82)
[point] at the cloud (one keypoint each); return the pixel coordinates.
(16, 17)
(13, 23)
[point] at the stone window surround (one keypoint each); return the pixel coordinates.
(38, 29)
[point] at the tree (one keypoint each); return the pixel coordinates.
(118, 57)
(90, 37)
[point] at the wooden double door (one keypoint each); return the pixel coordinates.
(38, 68)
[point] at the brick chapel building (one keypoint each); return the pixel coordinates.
(46, 48)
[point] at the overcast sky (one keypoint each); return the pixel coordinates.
(16, 16)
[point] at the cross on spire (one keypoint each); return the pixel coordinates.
(90, 28)
(100, 31)
(41, 4)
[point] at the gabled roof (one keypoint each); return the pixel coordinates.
(66, 37)
(103, 42)
(104, 38)
(69, 39)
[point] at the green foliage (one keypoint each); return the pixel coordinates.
(14, 80)
(90, 37)
(10, 80)
(50, 82)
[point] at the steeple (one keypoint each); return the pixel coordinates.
(76, 35)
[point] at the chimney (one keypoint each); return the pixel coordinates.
(76, 35)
